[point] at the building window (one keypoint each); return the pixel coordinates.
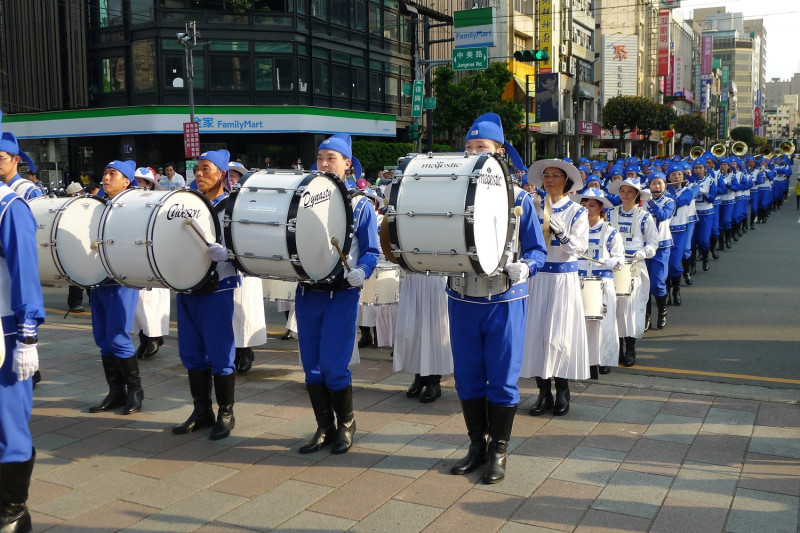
(375, 87)
(359, 15)
(113, 74)
(230, 72)
(319, 9)
(390, 25)
(321, 77)
(141, 12)
(339, 13)
(342, 84)
(144, 65)
(391, 90)
(375, 20)
(274, 74)
(110, 13)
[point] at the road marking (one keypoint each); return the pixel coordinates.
(718, 374)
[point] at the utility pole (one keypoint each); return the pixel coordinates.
(189, 40)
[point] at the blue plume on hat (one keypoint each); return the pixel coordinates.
(340, 142)
(127, 168)
(487, 126)
(31, 165)
(357, 170)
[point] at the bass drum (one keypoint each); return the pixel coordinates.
(66, 231)
(451, 213)
(279, 223)
(145, 240)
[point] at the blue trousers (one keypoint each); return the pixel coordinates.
(740, 209)
(326, 331)
(113, 307)
(16, 402)
(702, 231)
(726, 216)
(691, 246)
(755, 200)
(487, 342)
(676, 253)
(657, 267)
(766, 198)
(715, 222)
(205, 332)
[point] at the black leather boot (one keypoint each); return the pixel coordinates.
(743, 225)
(224, 391)
(561, 406)
(647, 312)
(416, 387)
(432, 389)
(326, 425)
(15, 480)
(741, 229)
(545, 400)
(676, 290)
(594, 372)
(621, 350)
(116, 386)
(668, 283)
(729, 239)
(661, 302)
(133, 384)
(476, 419)
(342, 401)
(603, 370)
(630, 352)
(142, 345)
(706, 264)
(713, 248)
(501, 420)
(203, 414)
(151, 347)
(243, 360)
(753, 221)
(366, 337)
(688, 268)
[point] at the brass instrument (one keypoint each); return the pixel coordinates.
(739, 148)
(766, 152)
(696, 152)
(719, 150)
(787, 148)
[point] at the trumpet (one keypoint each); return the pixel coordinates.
(739, 148)
(766, 152)
(787, 148)
(696, 152)
(719, 150)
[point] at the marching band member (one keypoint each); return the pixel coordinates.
(151, 318)
(727, 199)
(113, 308)
(740, 185)
(206, 342)
(717, 240)
(10, 157)
(661, 207)
(606, 246)
(488, 330)
(555, 340)
(705, 209)
(757, 178)
(682, 195)
(327, 315)
(21, 314)
(689, 262)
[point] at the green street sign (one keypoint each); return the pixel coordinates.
(407, 88)
(429, 102)
(471, 58)
(417, 98)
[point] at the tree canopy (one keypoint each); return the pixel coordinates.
(625, 114)
(695, 125)
(744, 134)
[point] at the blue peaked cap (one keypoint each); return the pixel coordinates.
(489, 126)
(127, 168)
(340, 142)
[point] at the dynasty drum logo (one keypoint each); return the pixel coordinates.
(310, 200)
(180, 211)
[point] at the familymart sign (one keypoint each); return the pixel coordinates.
(474, 27)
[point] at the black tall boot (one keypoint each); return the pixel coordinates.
(630, 352)
(689, 270)
(151, 347)
(432, 390)
(203, 414)
(714, 241)
(130, 373)
(501, 420)
(15, 480)
(661, 302)
(729, 239)
(743, 225)
(647, 313)
(116, 386)
(753, 220)
(545, 400)
(343, 407)
(224, 386)
(692, 267)
(561, 406)
(366, 337)
(142, 345)
(621, 350)
(668, 283)
(243, 360)
(326, 425)
(676, 290)
(706, 264)
(416, 387)
(476, 419)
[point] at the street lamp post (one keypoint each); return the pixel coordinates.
(189, 41)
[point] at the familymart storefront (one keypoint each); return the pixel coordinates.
(77, 141)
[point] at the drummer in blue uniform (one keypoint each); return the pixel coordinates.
(487, 332)
(10, 158)
(327, 314)
(21, 313)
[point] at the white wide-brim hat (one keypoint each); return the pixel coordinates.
(592, 194)
(537, 169)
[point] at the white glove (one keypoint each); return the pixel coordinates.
(26, 360)
(557, 226)
(517, 271)
(640, 255)
(217, 252)
(355, 277)
(611, 264)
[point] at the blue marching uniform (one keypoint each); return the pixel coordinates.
(661, 210)
(705, 216)
(18, 184)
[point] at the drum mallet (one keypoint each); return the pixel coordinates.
(335, 243)
(583, 256)
(192, 224)
(517, 214)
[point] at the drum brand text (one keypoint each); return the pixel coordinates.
(442, 164)
(310, 200)
(490, 181)
(178, 211)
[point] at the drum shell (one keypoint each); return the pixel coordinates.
(623, 279)
(382, 287)
(592, 295)
(278, 290)
(66, 228)
(145, 242)
(462, 205)
(280, 224)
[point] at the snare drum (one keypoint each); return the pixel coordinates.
(451, 213)
(383, 286)
(623, 278)
(66, 229)
(592, 293)
(279, 223)
(145, 241)
(278, 290)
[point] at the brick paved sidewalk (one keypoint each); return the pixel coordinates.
(633, 454)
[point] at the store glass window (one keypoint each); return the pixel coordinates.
(141, 12)
(229, 72)
(376, 87)
(274, 74)
(113, 74)
(110, 13)
(322, 79)
(359, 15)
(375, 20)
(144, 65)
(342, 85)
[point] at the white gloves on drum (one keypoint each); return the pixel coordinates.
(640, 255)
(26, 360)
(217, 252)
(517, 271)
(557, 226)
(355, 277)
(611, 264)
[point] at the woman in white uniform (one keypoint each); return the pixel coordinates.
(555, 339)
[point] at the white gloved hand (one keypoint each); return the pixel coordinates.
(640, 255)
(557, 226)
(217, 252)
(517, 271)
(26, 360)
(355, 277)
(611, 264)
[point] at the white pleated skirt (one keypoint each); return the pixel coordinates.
(631, 309)
(555, 336)
(422, 328)
(152, 313)
(601, 335)
(249, 322)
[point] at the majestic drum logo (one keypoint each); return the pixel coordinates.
(490, 180)
(442, 164)
(310, 200)
(179, 211)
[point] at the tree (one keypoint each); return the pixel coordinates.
(744, 134)
(796, 132)
(460, 101)
(660, 117)
(692, 124)
(624, 114)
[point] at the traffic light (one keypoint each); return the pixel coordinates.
(414, 131)
(531, 55)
